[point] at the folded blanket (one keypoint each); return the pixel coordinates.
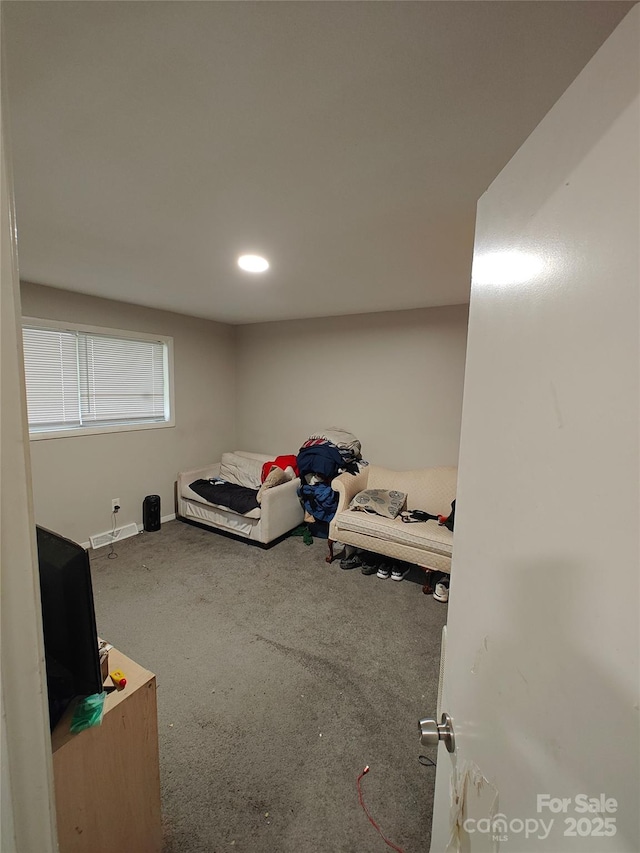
(240, 499)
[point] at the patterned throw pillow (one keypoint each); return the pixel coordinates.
(379, 501)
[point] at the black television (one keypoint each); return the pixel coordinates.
(68, 620)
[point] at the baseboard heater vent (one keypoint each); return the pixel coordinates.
(111, 536)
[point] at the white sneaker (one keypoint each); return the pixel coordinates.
(441, 591)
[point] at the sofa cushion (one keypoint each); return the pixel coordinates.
(241, 470)
(430, 535)
(379, 501)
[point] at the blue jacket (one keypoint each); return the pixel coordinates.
(319, 500)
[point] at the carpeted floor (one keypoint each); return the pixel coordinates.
(279, 678)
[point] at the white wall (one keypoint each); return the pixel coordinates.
(394, 379)
(75, 478)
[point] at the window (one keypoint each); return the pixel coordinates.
(81, 380)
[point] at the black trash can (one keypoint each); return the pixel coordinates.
(151, 513)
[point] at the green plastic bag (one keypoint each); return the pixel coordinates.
(88, 712)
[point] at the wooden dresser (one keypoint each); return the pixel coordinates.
(107, 778)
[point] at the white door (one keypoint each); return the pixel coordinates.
(542, 664)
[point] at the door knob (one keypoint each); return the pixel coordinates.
(432, 732)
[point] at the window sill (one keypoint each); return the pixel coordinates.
(98, 430)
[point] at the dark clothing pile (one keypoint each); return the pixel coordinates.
(319, 461)
(319, 456)
(348, 445)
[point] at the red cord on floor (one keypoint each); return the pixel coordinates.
(371, 820)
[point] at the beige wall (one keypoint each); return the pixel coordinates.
(75, 478)
(394, 379)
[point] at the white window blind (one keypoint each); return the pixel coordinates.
(51, 372)
(80, 379)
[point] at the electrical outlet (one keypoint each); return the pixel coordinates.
(115, 505)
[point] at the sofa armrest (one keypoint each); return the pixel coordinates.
(281, 510)
(348, 485)
(187, 477)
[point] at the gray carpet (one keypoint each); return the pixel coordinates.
(279, 678)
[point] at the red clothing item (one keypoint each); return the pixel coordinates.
(280, 462)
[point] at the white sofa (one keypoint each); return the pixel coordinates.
(279, 512)
(427, 544)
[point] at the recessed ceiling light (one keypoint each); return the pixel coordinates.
(253, 263)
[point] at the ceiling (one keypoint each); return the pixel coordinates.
(348, 142)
